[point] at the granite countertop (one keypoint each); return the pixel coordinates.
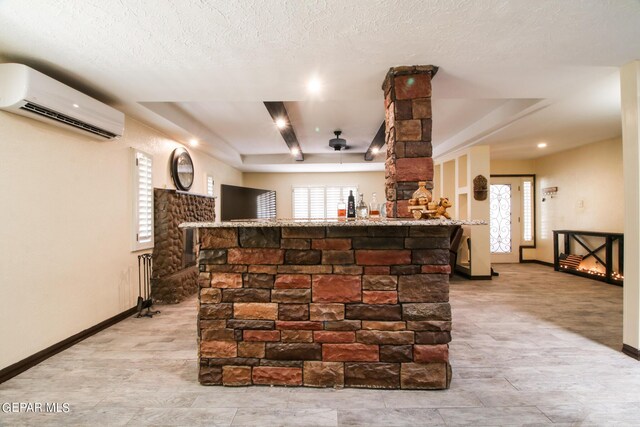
(328, 223)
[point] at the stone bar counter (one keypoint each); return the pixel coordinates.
(325, 304)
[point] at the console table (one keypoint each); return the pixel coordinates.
(610, 275)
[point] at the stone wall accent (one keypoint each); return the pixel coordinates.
(367, 311)
(407, 102)
(170, 282)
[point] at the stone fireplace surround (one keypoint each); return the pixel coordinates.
(172, 281)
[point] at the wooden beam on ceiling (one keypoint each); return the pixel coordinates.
(279, 112)
(376, 144)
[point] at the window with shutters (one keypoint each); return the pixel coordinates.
(143, 201)
(267, 205)
(316, 202)
(209, 185)
(527, 210)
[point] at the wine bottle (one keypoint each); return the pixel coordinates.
(351, 205)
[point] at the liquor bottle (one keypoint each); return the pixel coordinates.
(362, 211)
(342, 209)
(374, 207)
(351, 205)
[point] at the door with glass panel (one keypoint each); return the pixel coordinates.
(505, 201)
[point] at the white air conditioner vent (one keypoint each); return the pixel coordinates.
(37, 109)
(30, 93)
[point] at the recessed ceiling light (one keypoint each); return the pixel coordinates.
(193, 142)
(295, 151)
(314, 85)
(281, 123)
(375, 150)
(76, 106)
(542, 144)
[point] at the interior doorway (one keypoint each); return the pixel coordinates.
(511, 217)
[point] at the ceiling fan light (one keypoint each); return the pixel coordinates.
(338, 143)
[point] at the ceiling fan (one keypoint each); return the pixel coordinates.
(338, 143)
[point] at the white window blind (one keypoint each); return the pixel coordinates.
(143, 200)
(317, 205)
(527, 211)
(209, 185)
(300, 202)
(319, 201)
(267, 205)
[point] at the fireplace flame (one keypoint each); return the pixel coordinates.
(596, 270)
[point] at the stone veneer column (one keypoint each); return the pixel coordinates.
(407, 101)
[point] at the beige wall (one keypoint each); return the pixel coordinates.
(512, 167)
(590, 192)
(367, 182)
(65, 228)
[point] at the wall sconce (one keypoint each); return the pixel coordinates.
(480, 188)
(549, 191)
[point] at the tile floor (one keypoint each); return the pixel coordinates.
(532, 347)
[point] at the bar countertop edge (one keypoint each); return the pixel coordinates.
(331, 223)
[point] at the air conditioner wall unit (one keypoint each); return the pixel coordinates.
(30, 93)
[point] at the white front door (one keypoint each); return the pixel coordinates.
(504, 224)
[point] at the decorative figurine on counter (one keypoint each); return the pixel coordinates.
(421, 196)
(420, 201)
(431, 210)
(441, 210)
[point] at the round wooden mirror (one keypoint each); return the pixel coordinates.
(182, 169)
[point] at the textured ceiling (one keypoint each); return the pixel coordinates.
(203, 68)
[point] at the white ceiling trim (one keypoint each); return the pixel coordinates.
(494, 122)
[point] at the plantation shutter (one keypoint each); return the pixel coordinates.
(267, 205)
(143, 201)
(319, 202)
(300, 202)
(209, 185)
(316, 203)
(527, 211)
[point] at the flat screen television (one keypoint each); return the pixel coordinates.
(246, 203)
